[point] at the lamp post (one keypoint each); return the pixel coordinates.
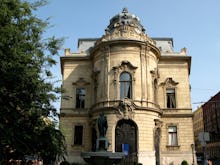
(192, 146)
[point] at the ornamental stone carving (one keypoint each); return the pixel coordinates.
(81, 82)
(125, 109)
(169, 82)
(125, 26)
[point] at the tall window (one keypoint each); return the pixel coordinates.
(78, 135)
(172, 136)
(171, 100)
(125, 85)
(80, 97)
(155, 91)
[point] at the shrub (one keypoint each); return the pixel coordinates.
(184, 162)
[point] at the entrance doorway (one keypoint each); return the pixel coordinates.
(126, 139)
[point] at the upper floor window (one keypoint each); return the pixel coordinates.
(171, 99)
(169, 86)
(172, 136)
(125, 85)
(78, 135)
(80, 97)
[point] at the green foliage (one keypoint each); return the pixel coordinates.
(26, 93)
(67, 163)
(184, 162)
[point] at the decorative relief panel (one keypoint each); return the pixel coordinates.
(125, 109)
(126, 32)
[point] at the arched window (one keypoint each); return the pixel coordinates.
(125, 85)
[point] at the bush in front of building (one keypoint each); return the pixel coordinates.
(184, 162)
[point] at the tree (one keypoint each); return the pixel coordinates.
(26, 88)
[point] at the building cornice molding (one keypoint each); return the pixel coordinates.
(176, 115)
(148, 46)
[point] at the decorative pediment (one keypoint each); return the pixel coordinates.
(169, 82)
(125, 65)
(81, 82)
(125, 109)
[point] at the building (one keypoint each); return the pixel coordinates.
(211, 118)
(198, 129)
(140, 83)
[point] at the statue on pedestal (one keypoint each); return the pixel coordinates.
(102, 125)
(102, 142)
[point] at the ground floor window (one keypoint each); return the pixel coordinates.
(172, 136)
(78, 135)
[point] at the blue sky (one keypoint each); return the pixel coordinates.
(193, 24)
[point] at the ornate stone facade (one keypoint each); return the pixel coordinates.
(139, 83)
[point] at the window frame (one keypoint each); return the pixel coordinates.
(80, 104)
(169, 83)
(125, 84)
(78, 135)
(173, 139)
(169, 97)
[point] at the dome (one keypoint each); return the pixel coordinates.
(127, 27)
(125, 18)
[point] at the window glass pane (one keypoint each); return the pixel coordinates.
(172, 129)
(171, 100)
(128, 90)
(172, 135)
(80, 97)
(125, 77)
(170, 91)
(122, 90)
(125, 85)
(78, 135)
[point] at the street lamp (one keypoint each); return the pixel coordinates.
(192, 146)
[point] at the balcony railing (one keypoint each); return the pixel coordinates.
(138, 104)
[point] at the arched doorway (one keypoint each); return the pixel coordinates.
(126, 139)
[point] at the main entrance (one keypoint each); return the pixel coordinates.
(126, 140)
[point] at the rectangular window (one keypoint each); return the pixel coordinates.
(171, 100)
(80, 97)
(125, 85)
(172, 136)
(78, 135)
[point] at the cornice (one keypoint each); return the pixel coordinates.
(147, 45)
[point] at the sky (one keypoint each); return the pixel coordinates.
(193, 24)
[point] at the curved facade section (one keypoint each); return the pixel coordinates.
(137, 59)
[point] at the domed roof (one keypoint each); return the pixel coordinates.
(125, 18)
(125, 27)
